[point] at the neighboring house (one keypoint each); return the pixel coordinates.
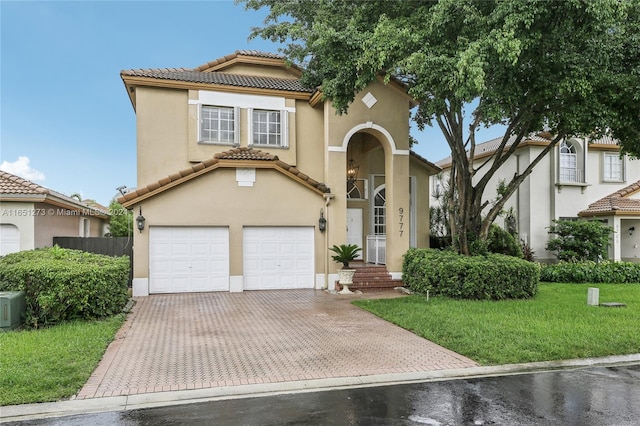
(239, 166)
(567, 184)
(31, 215)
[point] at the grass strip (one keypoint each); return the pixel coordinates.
(53, 363)
(556, 324)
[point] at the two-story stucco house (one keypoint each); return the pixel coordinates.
(581, 177)
(246, 178)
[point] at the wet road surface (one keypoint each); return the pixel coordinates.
(593, 396)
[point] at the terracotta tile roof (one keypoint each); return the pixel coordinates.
(244, 153)
(12, 184)
(604, 140)
(14, 187)
(237, 53)
(241, 155)
(224, 79)
(425, 161)
(618, 202)
(204, 74)
(490, 146)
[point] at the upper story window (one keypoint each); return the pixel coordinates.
(571, 163)
(612, 167)
(268, 128)
(218, 124)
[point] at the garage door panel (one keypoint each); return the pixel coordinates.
(188, 259)
(278, 257)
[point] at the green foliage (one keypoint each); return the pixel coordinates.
(121, 220)
(63, 284)
(491, 277)
(579, 240)
(591, 272)
(345, 253)
(481, 59)
(556, 324)
(501, 241)
(53, 363)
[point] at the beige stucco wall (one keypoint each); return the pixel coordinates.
(215, 199)
(162, 129)
(61, 222)
(421, 173)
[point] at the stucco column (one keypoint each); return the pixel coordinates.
(397, 212)
(614, 249)
(337, 209)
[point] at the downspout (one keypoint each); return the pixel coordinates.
(327, 200)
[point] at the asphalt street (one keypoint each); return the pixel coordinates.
(586, 396)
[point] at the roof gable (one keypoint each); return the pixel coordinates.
(242, 157)
(242, 71)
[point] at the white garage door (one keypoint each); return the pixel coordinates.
(188, 259)
(9, 239)
(278, 258)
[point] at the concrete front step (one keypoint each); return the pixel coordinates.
(373, 285)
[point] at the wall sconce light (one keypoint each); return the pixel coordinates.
(633, 228)
(140, 221)
(322, 222)
(352, 171)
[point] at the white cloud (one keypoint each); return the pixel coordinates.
(21, 168)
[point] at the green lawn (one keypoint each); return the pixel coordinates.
(556, 324)
(52, 363)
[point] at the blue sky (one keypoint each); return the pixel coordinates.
(66, 121)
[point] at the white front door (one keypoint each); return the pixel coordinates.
(278, 258)
(354, 228)
(188, 259)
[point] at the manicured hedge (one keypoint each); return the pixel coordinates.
(63, 284)
(591, 272)
(492, 277)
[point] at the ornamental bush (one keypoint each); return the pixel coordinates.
(490, 277)
(62, 284)
(591, 272)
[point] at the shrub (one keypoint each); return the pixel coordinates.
(492, 277)
(591, 272)
(579, 240)
(62, 284)
(503, 242)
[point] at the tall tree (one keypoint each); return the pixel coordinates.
(568, 67)
(120, 221)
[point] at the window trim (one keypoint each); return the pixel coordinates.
(615, 154)
(284, 128)
(236, 124)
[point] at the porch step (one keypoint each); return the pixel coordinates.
(371, 277)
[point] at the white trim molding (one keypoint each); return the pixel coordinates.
(368, 125)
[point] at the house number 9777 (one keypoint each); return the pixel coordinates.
(401, 220)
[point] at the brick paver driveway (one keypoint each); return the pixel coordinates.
(201, 340)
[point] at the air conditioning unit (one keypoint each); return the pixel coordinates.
(13, 306)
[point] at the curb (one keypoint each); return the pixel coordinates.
(163, 399)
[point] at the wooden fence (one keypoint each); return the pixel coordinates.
(110, 246)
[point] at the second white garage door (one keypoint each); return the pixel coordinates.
(188, 259)
(278, 258)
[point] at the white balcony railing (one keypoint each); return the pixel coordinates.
(570, 175)
(377, 249)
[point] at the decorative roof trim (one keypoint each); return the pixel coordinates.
(252, 159)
